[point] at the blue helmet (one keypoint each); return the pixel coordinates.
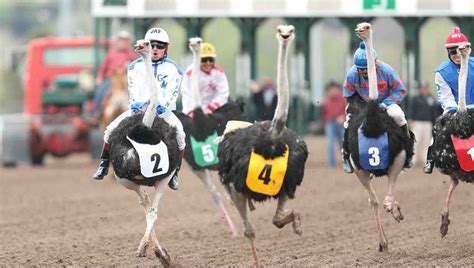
(360, 56)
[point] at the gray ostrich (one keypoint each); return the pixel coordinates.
(145, 129)
(265, 160)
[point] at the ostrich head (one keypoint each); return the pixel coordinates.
(285, 33)
(143, 47)
(364, 30)
(464, 50)
(195, 44)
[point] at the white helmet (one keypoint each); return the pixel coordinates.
(157, 34)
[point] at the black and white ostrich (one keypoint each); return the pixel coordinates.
(451, 126)
(145, 128)
(375, 123)
(268, 141)
(201, 127)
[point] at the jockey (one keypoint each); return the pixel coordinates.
(169, 75)
(391, 92)
(213, 85)
(446, 79)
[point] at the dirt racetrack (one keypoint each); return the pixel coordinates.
(58, 215)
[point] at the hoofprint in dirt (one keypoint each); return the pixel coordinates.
(57, 215)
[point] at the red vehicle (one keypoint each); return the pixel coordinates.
(54, 95)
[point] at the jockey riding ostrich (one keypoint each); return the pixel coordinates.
(265, 160)
(455, 130)
(201, 130)
(370, 123)
(145, 129)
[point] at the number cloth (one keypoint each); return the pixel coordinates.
(465, 152)
(373, 152)
(265, 176)
(205, 152)
(154, 160)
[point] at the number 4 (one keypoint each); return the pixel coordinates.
(265, 174)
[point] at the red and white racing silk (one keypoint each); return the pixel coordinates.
(213, 89)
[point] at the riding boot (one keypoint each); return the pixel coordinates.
(174, 184)
(429, 165)
(346, 162)
(409, 162)
(104, 163)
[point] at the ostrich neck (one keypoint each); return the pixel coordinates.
(462, 83)
(372, 74)
(150, 112)
(195, 95)
(281, 112)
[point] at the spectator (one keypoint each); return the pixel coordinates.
(119, 56)
(422, 112)
(334, 105)
(265, 99)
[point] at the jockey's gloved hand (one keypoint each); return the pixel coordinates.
(382, 107)
(160, 109)
(137, 106)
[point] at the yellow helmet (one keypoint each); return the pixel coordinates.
(208, 50)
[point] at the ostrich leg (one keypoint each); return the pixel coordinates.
(240, 202)
(389, 203)
(151, 217)
(143, 200)
(283, 217)
(364, 178)
(445, 213)
(216, 197)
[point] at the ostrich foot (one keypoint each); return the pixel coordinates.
(297, 224)
(141, 251)
(283, 218)
(383, 246)
(249, 233)
(163, 256)
(392, 206)
(444, 224)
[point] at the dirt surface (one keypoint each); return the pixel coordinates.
(58, 215)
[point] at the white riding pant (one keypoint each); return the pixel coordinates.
(393, 110)
(168, 116)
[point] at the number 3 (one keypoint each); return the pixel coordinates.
(375, 160)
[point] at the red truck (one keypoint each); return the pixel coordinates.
(58, 93)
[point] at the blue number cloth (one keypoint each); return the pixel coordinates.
(373, 152)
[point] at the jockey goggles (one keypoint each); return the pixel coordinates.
(207, 59)
(158, 45)
(452, 50)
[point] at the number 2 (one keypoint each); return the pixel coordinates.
(156, 158)
(375, 159)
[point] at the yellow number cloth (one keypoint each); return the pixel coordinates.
(265, 176)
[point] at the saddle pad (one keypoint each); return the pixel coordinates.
(465, 152)
(154, 160)
(205, 152)
(373, 152)
(265, 176)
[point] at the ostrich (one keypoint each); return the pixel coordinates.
(145, 129)
(202, 128)
(369, 122)
(455, 128)
(266, 159)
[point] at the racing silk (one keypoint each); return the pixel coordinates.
(168, 75)
(390, 87)
(213, 89)
(446, 79)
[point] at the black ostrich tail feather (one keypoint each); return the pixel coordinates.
(373, 126)
(462, 124)
(143, 134)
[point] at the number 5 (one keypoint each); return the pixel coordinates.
(375, 160)
(207, 153)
